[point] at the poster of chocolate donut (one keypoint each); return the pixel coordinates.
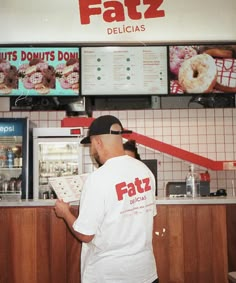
(39, 71)
(199, 69)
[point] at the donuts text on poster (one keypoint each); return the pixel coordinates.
(115, 11)
(8, 56)
(48, 55)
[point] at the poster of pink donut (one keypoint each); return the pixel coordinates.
(202, 69)
(39, 71)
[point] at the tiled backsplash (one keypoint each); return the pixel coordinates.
(208, 132)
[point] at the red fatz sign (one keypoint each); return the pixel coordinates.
(119, 11)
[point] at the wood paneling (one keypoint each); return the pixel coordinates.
(21, 245)
(4, 247)
(43, 245)
(190, 245)
(231, 236)
(194, 246)
(160, 242)
(37, 247)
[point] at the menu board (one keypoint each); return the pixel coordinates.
(198, 69)
(39, 71)
(124, 70)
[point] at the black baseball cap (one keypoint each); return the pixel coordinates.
(102, 126)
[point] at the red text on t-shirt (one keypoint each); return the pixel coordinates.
(131, 189)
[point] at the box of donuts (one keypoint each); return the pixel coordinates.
(199, 69)
(39, 71)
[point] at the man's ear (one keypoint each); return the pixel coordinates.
(98, 142)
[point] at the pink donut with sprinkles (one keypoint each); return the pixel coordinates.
(27, 83)
(4, 66)
(178, 54)
(73, 78)
(36, 78)
(64, 83)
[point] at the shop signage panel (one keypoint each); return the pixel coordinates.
(128, 21)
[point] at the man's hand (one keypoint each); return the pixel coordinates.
(62, 209)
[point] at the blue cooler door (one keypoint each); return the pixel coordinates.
(14, 158)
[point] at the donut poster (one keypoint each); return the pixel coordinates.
(39, 71)
(198, 69)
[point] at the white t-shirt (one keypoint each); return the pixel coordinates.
(117, 206)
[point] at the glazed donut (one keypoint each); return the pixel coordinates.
(22, 69)
(4, 89)
(40, 88)
(219, 53)
(45, 90)
(31, 70)
(68, 70)
(198, 74)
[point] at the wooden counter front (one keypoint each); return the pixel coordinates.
(37, 247)
(190, 245)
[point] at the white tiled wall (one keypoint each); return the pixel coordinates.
(208, 132)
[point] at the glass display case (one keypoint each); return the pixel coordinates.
(56, 152)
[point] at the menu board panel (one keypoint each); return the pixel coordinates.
(39, 71)
(124, 70)
(198, 69)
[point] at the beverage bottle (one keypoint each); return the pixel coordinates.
(2, 156)
(192, 183)
(10, 158)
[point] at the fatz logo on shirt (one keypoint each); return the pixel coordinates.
(131, 189)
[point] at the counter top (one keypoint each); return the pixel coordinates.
(159, 200)
(197, 200)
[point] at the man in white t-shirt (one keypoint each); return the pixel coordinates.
(117, 206)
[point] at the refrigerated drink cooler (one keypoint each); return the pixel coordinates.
(56, 152)
(15, 147)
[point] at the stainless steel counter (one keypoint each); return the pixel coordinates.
(160, 200)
